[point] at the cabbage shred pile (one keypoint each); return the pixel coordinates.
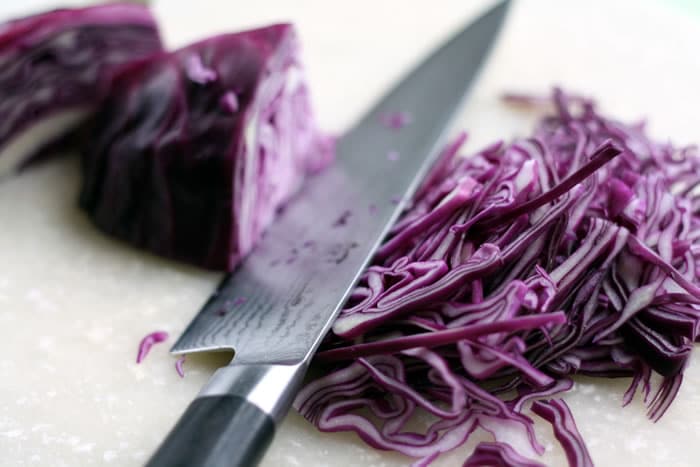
(570, 252)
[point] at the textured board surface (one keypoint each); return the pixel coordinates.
(74, 304)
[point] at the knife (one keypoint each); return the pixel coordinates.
(276, 308)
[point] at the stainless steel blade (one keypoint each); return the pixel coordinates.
(279, 304)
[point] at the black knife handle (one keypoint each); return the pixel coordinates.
(217, 431)
(232, 421)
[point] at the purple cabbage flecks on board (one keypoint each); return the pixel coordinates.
(148, 342)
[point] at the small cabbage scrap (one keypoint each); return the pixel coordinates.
(149, 341)
(53, 67)
(194, 151)
(574, 251)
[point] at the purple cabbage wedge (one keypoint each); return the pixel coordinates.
(574, 251)
(195, 150)
(54, 66)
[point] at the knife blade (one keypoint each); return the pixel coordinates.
(277, 307)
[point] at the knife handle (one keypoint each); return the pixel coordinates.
(233, 420)
(217, 431)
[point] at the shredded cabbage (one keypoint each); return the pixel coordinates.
(556, 412)
(573, 251)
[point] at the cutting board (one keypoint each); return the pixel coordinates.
(74, 303)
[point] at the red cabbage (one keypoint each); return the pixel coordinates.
(194, 151)
(178, 366)
(149, 341)
(56, 64)
(395, 120)
(573, 251)
(556, 412)
(498, 455)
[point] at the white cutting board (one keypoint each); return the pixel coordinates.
(74, 303)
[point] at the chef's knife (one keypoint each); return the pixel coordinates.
(276, 308)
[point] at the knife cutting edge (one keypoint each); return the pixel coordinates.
(276, 308)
